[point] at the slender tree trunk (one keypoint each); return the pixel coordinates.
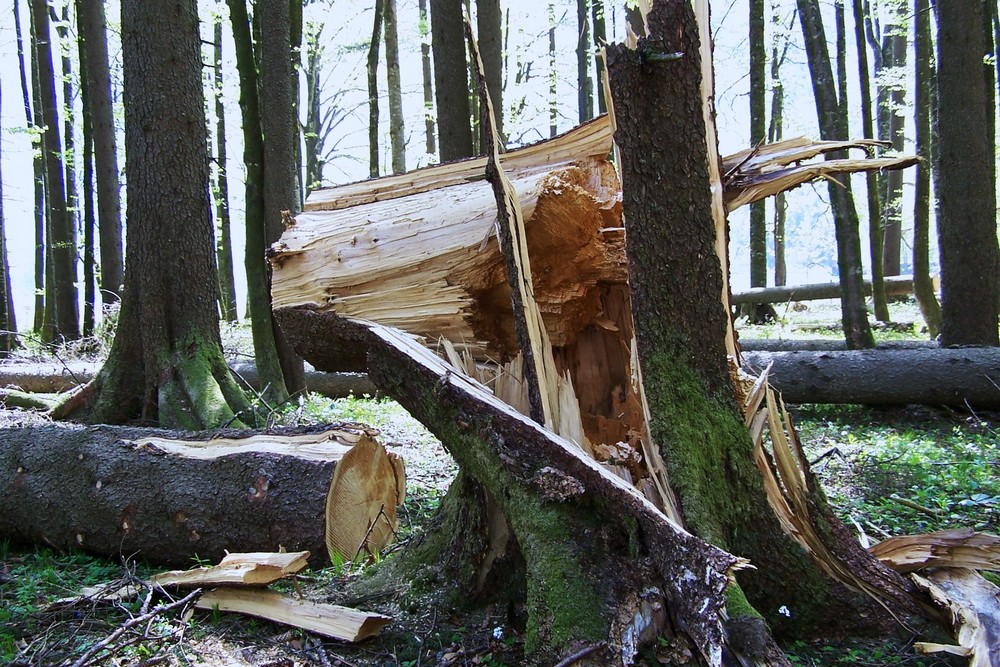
(553, 77)
(600, 39)
(38, 167)
(894, 101)
(166, 363)
(258, 273)
(585, 85)
(875, 242)
(488, 25)
(89, 217)
(451, 76)
(224, 245)
(967, 225)
(833, 125)
(425, 64)
(989, 86)
(92, 27)
(295, 51)
(758, 128)
(397, 131)
(313, 142)
(8, 321)
(63, 237)
(478, 128)
(923, 288)
(69, 156)
(374, 154)
(774, 134)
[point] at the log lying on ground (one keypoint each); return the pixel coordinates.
(128, 491)
(959, 377)
(894, 286)
(825, 345)
(48, 378)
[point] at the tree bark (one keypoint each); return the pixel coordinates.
(92, 26)
(8, 321)
(63, 234)
(833, 125)
(758, 129)
(923, 287)
(893, 99)
(552, 75)
(166, 362)
(374, 153)
(681, 328)
(491, 51)
(959, 377)
(967, 224)
(89, 214)
(397, 131)
(875, 231)
(451, 91)
(265, 345)
(425, 65)
(107, 493)
(774, 134)
(600, 39)
(280, 192)
(224, 245)
(585, 85)
(71, 153)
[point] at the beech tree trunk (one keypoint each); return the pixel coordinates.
(96, 489)
(425, 66)
(374, 153)
(166, 362)
(92, 27)
(224, 244)
(833, 125)
(62, 238)
(892, 101)
(397, 130)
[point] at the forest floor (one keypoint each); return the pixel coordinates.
(887, 472)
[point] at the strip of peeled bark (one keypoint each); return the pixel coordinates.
(589, 580)
(99, 490)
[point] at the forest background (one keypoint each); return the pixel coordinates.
(529, 106)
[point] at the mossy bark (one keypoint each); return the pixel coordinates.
(680, 325)
(166, 363)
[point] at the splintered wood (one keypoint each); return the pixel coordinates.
(254, 569)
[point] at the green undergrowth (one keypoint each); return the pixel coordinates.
(905, 471)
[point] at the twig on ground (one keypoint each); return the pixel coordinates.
(579, 655)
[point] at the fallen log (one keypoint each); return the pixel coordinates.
(49, 378)
(894, 286)
(129, 491)
(959, 377)
(825, 345)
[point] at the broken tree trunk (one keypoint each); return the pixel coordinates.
(49, 378)
(127, 491)
(960, 377)
(894, 286)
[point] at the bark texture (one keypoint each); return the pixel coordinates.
(451, 92)
(224, 244)
(833, 125)
(959, 377)
(397, 130)
(490, 40)
(8, 323)
(95, 489)
(967, 224)
(374, 153)
(92, 26)
(166, 362)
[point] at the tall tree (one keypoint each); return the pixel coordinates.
(488, 22)
(62, 246)
(267, 353)
(295, 33)
(92, 27)
(397, 130)
(967, 225)
(280, 191)
(313, 125)
(451, 93)
(892, 111)
(425, 66)
(166, 363)
(600, 39)
(833, 125)
(374, 154)
(585, 85)
(89, 217)
(758, 128)
(224, 244)
(875, 235)
(32, 118)
(779, 50)
(923, 288)
(553, 74)
(69, 156)
(8, 321)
